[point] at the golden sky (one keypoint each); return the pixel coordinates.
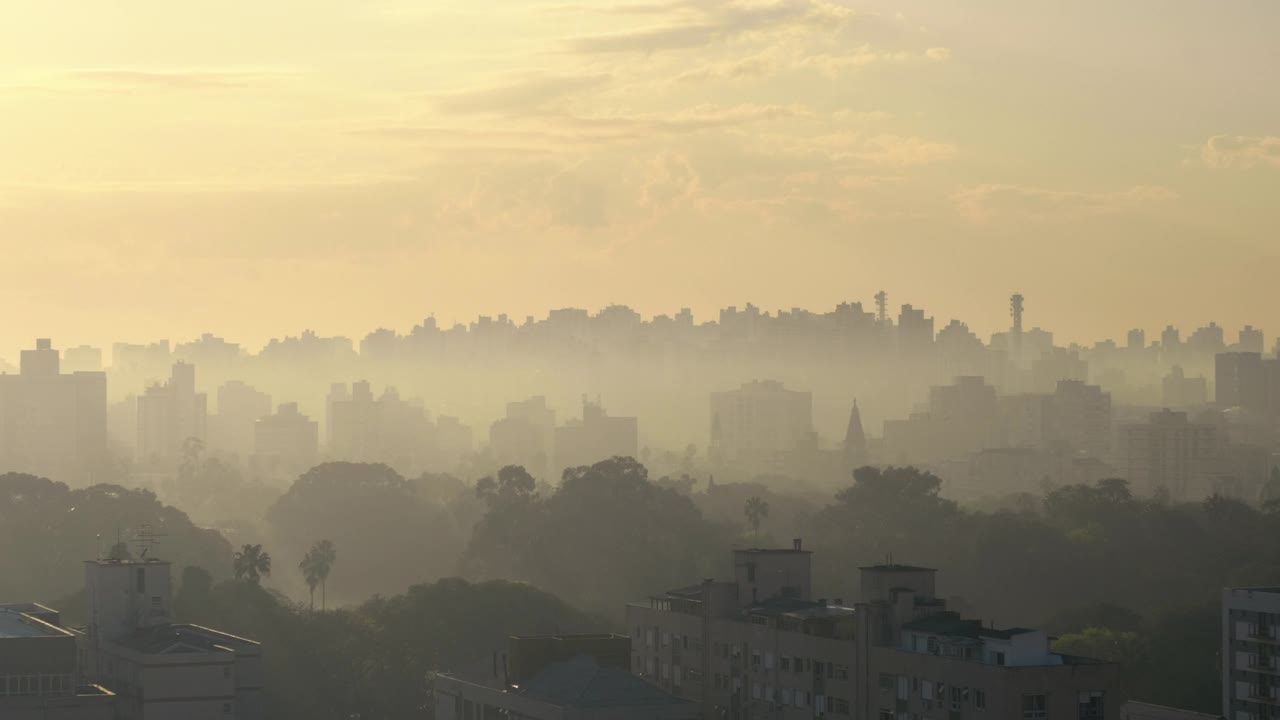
(255, 168)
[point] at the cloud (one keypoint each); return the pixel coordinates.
(170, 79)
(524, 95)
(938, 53)
(697, 24)
(995, 201)
(1241, 152)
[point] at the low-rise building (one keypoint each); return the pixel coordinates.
(158, 669)
(761, 646)
(40, 676)
(560, 677)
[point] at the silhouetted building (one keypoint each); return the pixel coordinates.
(53, 424)
(759, 419)
(1240, 380)
(1169, 453)
(240, 406)
(596, 437)
(387, 430)
(169, 415)
(287, 442)
(82, 359)
(1080, 418)
(525, 436)
(915, 331)
(1180, 391)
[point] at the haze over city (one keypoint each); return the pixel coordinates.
(639, 360)
(341, 165)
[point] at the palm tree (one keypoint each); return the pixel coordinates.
(323, 555)
(251, 563)
(755, 510)
(310, 573)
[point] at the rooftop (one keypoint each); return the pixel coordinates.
(772, 551)
(178, 639)
(951, 624)
(582, 682)
(18, 624)
(894, 567)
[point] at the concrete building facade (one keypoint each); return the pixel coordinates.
(40, 676)
(1250, 653)
(762, 647)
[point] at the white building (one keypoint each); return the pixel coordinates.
(160, 670)
(1250, 647)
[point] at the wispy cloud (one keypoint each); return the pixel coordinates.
(1004, 201)
(1241, 152)
(526, 94)
(124, 78)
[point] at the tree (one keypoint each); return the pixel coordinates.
(311, 574)
(756, 510)
(324, 555)
(251, 563)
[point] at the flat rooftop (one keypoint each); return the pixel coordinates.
(16, 624)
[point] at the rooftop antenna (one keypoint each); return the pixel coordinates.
(882, 308)
(1015, 311)
(145, 539)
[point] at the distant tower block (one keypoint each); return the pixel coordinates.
(882, 308)
(1015, 310)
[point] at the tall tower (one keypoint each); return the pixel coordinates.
(1015, 310)
(855, 440)
(882, 309)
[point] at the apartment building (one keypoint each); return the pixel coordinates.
(761, 646)
(1250, 652)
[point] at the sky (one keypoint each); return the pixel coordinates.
(257, 168)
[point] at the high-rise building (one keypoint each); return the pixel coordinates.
(51, 423)
(1080, 418)
(1169, 453)
(761, 646)
(525, 436)
(1180, 391)
(598, 436)
(1250, 653)
(1240, 380)
(240, 406)
(171, 415)
(759, 420)
(287, 442)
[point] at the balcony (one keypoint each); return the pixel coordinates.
(1263, 633)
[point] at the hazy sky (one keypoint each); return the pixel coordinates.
(256, 167)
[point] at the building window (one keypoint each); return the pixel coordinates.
(751, 572)
(957, 695)
(886, 714)
(979, 700)
(841, 672)
(1034, 707)
(784, 663)
(1091, 705)
(768, 661)
(887, 682)
(839, 706)
(226, 708)
(798, 665)
(932, 645)
(999, 658)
